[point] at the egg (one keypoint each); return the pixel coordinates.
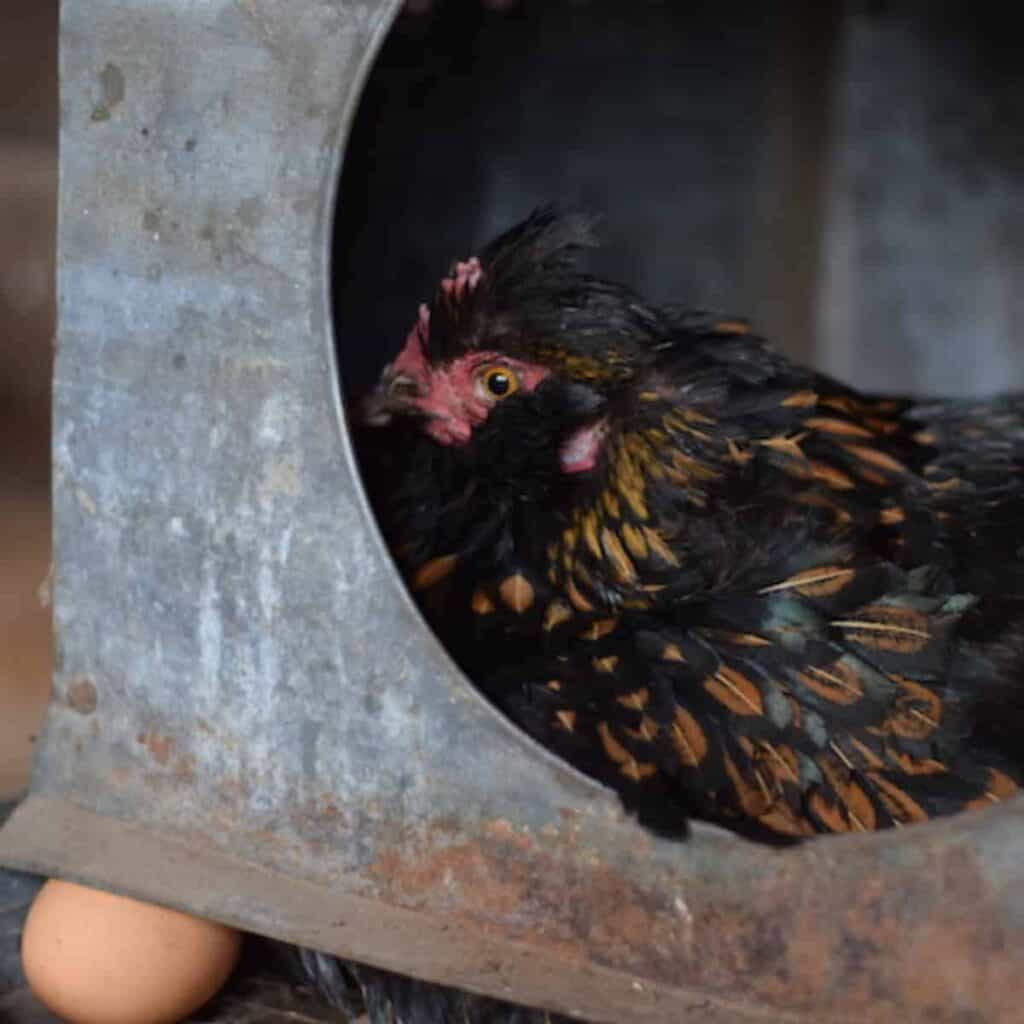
(95, 958)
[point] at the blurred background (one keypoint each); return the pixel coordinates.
(850, 176)
(28, 180)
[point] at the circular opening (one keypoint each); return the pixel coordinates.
(758, 163)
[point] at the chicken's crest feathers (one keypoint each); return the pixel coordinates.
(525, 296)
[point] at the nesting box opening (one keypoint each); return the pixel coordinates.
(470, 119)
(487, 160)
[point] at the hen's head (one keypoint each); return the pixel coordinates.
(519, 341)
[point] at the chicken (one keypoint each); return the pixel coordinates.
(724, 585)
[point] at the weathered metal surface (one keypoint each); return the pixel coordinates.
(927, 924)
(249, 717)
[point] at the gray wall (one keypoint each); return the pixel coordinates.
(847, 177)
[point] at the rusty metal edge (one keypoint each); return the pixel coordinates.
(46, 835)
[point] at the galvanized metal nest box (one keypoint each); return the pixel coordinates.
(250, 719)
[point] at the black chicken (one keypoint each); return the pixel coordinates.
(725, 585)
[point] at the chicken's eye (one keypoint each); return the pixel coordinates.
(499, 381)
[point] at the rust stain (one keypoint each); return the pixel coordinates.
(159, 747)
(113, 89)
(319, 819)
(233, 791)
(519, 889)
(504, 831)
(821, 934)
(81, 695)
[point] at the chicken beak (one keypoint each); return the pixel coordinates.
(395, 394)
(375, 410)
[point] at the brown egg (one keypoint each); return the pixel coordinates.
(96, 958)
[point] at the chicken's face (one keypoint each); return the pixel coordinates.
(518, 338)
(454, 399)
